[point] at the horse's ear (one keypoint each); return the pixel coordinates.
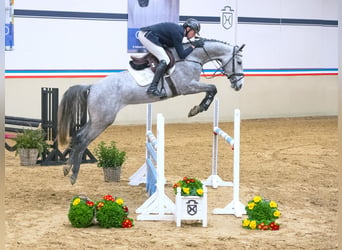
(241, 48)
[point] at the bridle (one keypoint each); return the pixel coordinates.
(237, 76)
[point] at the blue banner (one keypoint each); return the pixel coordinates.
(9, 36)
(146, 12)
(9, 27)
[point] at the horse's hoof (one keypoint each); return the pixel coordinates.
(72, 180)
(194, 111)
(66, 170)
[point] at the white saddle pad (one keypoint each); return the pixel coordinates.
(144, 77)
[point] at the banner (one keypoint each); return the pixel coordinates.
(142, 13)
(9, 24)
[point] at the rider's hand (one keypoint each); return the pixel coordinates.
(197, 43)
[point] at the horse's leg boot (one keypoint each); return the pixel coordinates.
(160, 70)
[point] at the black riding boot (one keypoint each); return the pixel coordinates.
(160, 70)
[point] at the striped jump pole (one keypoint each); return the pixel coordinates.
(234, 207)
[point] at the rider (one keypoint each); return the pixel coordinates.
(168, 34)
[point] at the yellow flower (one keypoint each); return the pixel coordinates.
(252, 224)
(186, 190)
(245, 223)
(199, 191)
(276, 213)
(273, 204)
(76, 201)
(251, 205)
(257, 199)
(119, 201)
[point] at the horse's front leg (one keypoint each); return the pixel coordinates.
(205, 103)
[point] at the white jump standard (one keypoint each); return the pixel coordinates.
(158, 206)
(235, 206)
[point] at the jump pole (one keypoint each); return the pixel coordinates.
(235, 206)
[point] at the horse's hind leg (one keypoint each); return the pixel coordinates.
(66, 169)
(205, 103)
(79, 144)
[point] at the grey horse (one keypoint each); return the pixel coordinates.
(104, 99)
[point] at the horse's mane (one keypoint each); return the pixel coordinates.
(214, 40)
(211, 40)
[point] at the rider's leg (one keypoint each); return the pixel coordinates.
(163, 58)
(160, 70)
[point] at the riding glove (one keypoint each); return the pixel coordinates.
(198, 43)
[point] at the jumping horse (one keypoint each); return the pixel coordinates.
(109, 95)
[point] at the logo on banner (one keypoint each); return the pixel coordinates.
(227, 17)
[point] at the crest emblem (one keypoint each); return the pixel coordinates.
(227, 17)
(191, 207)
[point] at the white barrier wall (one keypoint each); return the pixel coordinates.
(261, 97)
(290, 59)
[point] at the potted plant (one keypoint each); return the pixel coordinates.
(191, 200)
(112, 212)
(262, 214)
(110, 159)
(107, 212)
(81, 211)
(30, 144)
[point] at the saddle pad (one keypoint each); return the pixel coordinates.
(144, 77)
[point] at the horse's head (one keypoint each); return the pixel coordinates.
(233, 68)
(229, 59)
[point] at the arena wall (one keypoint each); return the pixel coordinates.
(290, 59)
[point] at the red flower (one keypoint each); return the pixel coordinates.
(275, 227)
(108, 198)
(127, 223)
(90, 203)
(125, 208)
(185, 178)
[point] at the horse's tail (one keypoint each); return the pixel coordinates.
(72, 105)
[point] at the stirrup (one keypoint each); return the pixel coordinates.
(154, 92)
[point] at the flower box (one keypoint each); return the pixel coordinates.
(191, 207)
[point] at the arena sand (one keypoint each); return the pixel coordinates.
(291, 161)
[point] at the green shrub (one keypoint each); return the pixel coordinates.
(81, 212)
(109, 156)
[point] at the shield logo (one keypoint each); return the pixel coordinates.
(227, 17)
(191, 207)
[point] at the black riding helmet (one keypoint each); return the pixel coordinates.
(193, 24)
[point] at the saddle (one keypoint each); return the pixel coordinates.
(149, 60)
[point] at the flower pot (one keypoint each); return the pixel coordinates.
(28, 156)
(191, 207)
(112, 174)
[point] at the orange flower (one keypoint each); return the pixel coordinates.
(101, 204)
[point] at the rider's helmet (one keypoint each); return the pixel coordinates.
(193, 24)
